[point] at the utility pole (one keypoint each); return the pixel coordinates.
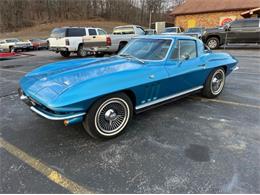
(150, 20)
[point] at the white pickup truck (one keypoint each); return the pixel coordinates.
(122, 35)
(13, 44)
(67, 40)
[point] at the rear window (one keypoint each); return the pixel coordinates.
(58, 33)
(75, 32)
(124, 31)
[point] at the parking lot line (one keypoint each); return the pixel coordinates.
(50, 173)
(17, 71)
(226, 102)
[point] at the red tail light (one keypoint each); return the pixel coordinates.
(108, 42)
(67, 42)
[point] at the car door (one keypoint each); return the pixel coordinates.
(236, 32)
(251, 31)
(186, 69)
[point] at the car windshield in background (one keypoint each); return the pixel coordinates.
(58, 33)
(194, 30)
(124, 31)
(147, 49)
(12, 40)
(170, 30)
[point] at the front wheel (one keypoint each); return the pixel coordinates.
(65, 54)
(213, 43)
(109, 116)
(215, 83)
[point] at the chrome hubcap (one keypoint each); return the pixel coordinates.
(217, 82)
(212, 43)
(112, 116)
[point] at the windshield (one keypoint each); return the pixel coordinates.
(147, 49)
(169, 30)
(192, 30)
(58, 33)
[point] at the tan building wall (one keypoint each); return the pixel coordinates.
(207, 20)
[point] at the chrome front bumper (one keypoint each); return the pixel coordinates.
(55, 117)
(37, 108)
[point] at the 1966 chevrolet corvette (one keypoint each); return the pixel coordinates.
(104, 93)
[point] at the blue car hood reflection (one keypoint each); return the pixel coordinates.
(48, 82)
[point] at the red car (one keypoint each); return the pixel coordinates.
(39, 43)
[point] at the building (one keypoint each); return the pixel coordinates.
(212, 13)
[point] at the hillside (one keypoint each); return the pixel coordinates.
(43, 30)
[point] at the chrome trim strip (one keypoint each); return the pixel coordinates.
(167, 98)
(56, 117)
(236, 68)
(23, 97)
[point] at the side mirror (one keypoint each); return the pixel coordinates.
(227, 27)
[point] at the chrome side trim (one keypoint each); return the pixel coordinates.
(167, 98)
(56, 117)
(23, 97)
(235, 68)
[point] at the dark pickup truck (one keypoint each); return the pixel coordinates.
(238, 31)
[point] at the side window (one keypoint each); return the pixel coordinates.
(75, 32)
(236, 24)
(140, 31)
(251, 23)
(92, 31)
(184, 48)
(101, 32)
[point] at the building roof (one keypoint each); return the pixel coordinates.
(209, 6)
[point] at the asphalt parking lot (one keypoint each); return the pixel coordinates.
(193, 145)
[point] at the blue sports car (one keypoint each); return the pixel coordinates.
(104, 93)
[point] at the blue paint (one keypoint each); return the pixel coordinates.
(72, 86)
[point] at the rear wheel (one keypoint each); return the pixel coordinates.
(65, 53)
(82, 52)
(109, 116)
(213, 43)
(215, 83)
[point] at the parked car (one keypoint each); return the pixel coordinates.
(196, 32)
(39, 43)
(122, 35)
(66, 40)
(238, 31)
(13, 44)
(172, 30)
(104, 93)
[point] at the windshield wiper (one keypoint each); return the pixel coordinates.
(133, 57)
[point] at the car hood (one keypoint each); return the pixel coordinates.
(49, 81)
